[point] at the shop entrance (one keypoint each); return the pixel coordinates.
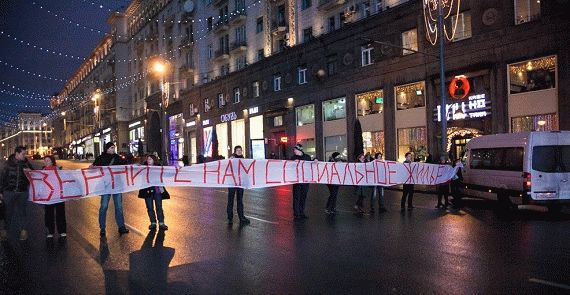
(457, 138)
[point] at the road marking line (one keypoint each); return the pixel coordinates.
(135, 230)
(262, 220)
(552, 284)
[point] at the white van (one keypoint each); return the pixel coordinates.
(520, 168)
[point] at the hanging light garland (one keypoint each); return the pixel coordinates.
(430, 11)
(28, 44)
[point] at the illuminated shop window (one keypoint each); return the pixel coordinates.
(371, 102)
(410, 96)
(533, 75)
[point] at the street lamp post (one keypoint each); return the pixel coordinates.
(435, 13)
(160, 68)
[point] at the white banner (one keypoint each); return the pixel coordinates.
(52, 186)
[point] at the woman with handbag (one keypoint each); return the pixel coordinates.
(54, 213)
(154, 194)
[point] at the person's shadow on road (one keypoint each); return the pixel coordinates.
(148, 267)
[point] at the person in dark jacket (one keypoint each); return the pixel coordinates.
(408, 189)
(362, 191)
(156, 194)
(54, 213)
(14, 191)
(300, 190)
(333, 188)
(456, 184)
(378, 192)
(110, 158)
(236, 191)
(442, 189)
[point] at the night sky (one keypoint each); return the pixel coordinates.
(25, 20)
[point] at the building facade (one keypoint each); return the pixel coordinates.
(30, 130)
(269, 74)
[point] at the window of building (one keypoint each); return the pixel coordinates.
(276, 83)
(366, 9)
(548, 122)
(277, 121)
(335, 143)
(302, 75)
(373, 142)
(206, 105)
(259, 25)
(366, 53)
(307, 34)
(309, 146)
(332, 25)
(342, 19)
(221, 100)
(331, 67)
(240, 35)
(255, 86)
(237, 95)
(210, 51)
(306, 4)
(412, 140)
(239, 5)
(260, 54)
(533, 75)
(526, 10)
(281, 15)
(305, 114)
(241, 62)
(334, 109)
(410, 96)
(463, 30)
(371, 102)
(410, 40)
(210, 23)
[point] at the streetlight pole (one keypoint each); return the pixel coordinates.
(160, 68)
(443, 103)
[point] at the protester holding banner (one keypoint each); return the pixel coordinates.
(50, 219)
(362, 191)
(236, 191)
(300, 190)
(457, 184)
(110, 158)
(333, 188)
(14, 191)
(378, 192)
(154, 194)
(408, 189)
(442, 189)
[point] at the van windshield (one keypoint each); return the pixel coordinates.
(551, 158)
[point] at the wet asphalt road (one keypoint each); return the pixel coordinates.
(426, 251)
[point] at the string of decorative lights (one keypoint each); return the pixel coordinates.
(28, 44)
(24, 90)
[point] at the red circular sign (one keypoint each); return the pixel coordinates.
(459, 87)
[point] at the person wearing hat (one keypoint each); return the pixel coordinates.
(300, 190)
(333, 188)
(110, 158)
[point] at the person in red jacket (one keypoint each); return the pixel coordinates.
(58, 218)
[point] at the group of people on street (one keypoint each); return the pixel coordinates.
(14, 193)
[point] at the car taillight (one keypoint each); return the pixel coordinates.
(527, 182)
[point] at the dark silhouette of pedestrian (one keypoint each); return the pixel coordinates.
(234, 192)
(408, 189)
(378, 192)
(362, 191)
(58, 218)
(300, 190)
(442, 190)
(333, 188)
(154, 194)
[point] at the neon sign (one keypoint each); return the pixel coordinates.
(459, 87)
(476, 106)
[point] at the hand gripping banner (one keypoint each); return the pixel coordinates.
(53, 186)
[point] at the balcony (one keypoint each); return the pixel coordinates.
(238, 16)
(221, 26)
(218, 3)
(278, 28)
(186, 69)
(221, 55)
(238, 46)
(327, 5)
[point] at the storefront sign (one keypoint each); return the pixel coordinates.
(52, 186)
(228, 117)
(206, 122)
(107, 130)
(476, 106)
(253, 110)
(191, 124)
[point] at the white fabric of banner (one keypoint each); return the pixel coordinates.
(53, 186)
